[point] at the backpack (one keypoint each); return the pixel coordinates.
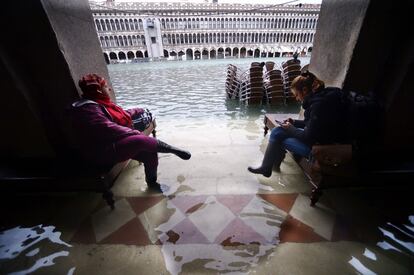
(364, 117)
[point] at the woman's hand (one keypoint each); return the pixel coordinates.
(286, 125)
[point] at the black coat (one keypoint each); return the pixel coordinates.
(325, 118)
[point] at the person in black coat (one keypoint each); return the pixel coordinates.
(324, 123)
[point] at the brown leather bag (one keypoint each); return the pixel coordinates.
(335, 159)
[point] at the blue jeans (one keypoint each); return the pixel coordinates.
(294, 145)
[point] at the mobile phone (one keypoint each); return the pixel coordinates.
(279, 122)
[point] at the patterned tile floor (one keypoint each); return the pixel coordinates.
(214, 217)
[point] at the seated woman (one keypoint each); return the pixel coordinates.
(324, 123)
(105, 131)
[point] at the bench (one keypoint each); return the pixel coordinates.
(67, 175)
(337, 166)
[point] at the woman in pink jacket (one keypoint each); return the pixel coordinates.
(106, 135)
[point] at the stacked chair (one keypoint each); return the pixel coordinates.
(255, 86)
(273, 87)
(290, 70)
(232, 82)
(304, 68)
(251, 85)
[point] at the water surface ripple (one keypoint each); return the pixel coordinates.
(185, 89)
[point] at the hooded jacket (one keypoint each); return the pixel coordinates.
(324, 118)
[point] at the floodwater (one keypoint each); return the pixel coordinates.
(187, 89)
(215, 217)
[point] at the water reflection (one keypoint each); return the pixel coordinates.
(396, 241)
(218, 233)
(190, 89)
(36, 247)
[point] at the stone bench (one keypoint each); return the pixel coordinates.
(53, 175)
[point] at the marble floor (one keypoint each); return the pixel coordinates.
(214, 217)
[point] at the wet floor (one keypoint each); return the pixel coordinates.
(214, 217)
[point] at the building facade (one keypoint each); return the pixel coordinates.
(187, 31)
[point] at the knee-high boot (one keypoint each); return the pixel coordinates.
(163, 147)
(151, 179)
(274, 155)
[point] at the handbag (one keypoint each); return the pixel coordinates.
(142, 120)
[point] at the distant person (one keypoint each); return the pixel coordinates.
(295, 56)
(324, 123)
(106, 135)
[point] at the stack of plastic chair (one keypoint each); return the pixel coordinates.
(232, 82)
(273, 86)
(251, 85)
(270, 65)
(304, 68)
(290, 70)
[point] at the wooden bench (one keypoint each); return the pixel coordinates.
(67, 175)
(337, 166)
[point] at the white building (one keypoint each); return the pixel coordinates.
(151, 31)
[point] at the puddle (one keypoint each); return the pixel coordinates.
(26, 250)
(218, 234)
(397, 241)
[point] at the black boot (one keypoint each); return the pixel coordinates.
(274, 155)
(151, 179)
(166, 148)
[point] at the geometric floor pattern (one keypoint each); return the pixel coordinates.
(226, 220)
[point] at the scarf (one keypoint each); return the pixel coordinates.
(92, 83)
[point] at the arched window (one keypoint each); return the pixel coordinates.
(121, 55)
(112, 25)
(98, 25)
(117, 27)
(113, 56)
(103, 25)
(121, 24)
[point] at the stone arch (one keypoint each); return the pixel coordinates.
(139, 54)
(146, 54)
(121, 56)
(243, 52)
(235, 51)
(204, 54)
(181, 54)
(212, 53)
(249, 53)
(197, 54)
(220, 52)
(189, 54)
(113, 56)
(227, 52)
(256, 53)
(130, 55)
(106, 58)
